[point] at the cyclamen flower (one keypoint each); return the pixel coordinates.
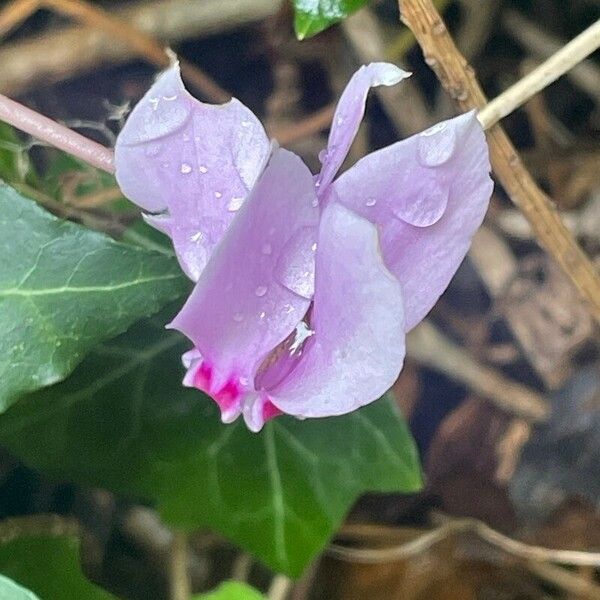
(305, 286)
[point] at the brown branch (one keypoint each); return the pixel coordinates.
(15, 13)
(141, 42)
(57, 55)
(428, 346)
(458, 78)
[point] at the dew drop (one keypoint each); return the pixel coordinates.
(314, 247)
(266, 249)
(238, 317)
(197, 237)
(315, 202)
(371, 202)
(234, 204)
(170, 98)
(340, 120)
(436, 145)
(185, 168)
(261, 290)
(438, 128)
(202, 169)
(263, 314)
(246, 123)
(218, 195)
(154, 102)
(186, 137)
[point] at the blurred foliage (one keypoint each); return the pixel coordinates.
(313, 16)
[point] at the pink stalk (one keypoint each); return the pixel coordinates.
(55, 134)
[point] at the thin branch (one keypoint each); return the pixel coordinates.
(541, 77)
(57, 55)
(57, 135)
(451, 528)
(459, 80)
(179, 577)
(15, 13)
(428, 346)
(542, 45)
(141, 42)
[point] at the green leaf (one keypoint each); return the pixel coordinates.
(49, 566)
(124, 421)
(313, 16)
(9, 590)
(15, 166)
(63, 289)
(230, 590)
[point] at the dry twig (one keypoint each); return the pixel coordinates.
(451, 528)
(459, 80)
(428, 346)
(586, 75)
(541, 77)
(59, 55)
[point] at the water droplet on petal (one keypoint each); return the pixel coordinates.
(426, 206)
(238, 317)
(202, 169)
(314, 247)
(261, 290)
(266, 249)
(234, 204)
(436, 145)
(218, 195)
(185, 168)
(371, 202)
(315, 202)
(262, 315)
(323, 155)
(170, 98)
(154, 102)
(246, 123)
(340, 120)
(197, 237)
(186, 137)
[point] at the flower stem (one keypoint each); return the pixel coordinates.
(55, 134)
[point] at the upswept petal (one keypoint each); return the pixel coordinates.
(428, 194)
(239, 310)
(193, 160)
(349, 113)
(357, 349)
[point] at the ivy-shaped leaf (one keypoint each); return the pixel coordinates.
(313, 16)
(124, 421)
(44, 562)
(63, 289)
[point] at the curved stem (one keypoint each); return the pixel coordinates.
(55, 134)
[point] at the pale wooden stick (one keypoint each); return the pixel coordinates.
(57, 135)
(541, 77)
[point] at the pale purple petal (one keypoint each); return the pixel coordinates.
(195, 161)
(357, 349)
(239, 311)
(428, 194)
(349, 114)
